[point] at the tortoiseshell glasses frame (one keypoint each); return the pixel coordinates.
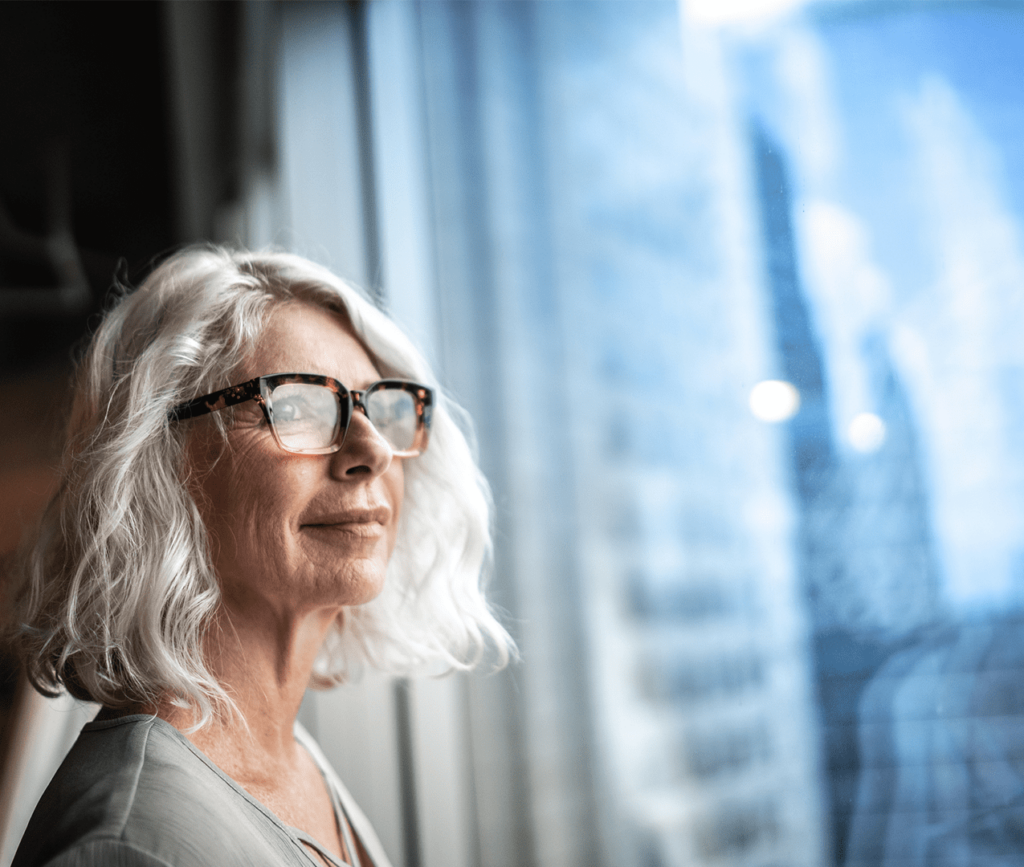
(322, 430)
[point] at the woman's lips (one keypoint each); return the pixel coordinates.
(364, 521)
(361, 530)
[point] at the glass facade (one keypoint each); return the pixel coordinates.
(754, 632)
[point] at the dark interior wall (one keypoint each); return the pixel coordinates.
(83, 94)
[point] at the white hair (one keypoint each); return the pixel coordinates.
(117, 589)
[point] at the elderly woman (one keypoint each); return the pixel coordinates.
(248, 507)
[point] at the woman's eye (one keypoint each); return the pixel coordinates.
(299, 405)
(290, 410)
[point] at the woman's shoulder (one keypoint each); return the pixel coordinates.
(134, 791)
(105, 853)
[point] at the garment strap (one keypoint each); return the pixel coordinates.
(340, 814)
(357, 821)
(320, 850)
(344, 825)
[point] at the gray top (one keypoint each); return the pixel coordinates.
(136, 792)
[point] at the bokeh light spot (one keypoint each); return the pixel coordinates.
(774, 400)
(866, 432)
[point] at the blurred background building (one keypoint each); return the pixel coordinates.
(734, 290)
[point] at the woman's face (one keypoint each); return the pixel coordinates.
(289, 531)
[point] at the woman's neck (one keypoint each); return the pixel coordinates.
(264, 664)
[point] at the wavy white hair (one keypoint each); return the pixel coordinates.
(117, 590)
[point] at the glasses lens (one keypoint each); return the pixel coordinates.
(306, 417)
(393, 413)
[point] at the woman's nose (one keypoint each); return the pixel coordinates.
(363, 452)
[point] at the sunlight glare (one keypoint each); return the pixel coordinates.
(734, 11)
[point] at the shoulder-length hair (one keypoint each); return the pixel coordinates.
(117, 589)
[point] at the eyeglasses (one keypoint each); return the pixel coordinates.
(309, 414)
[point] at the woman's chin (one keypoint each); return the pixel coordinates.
(362, 582)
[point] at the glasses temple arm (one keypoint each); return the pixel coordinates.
(218, 400)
